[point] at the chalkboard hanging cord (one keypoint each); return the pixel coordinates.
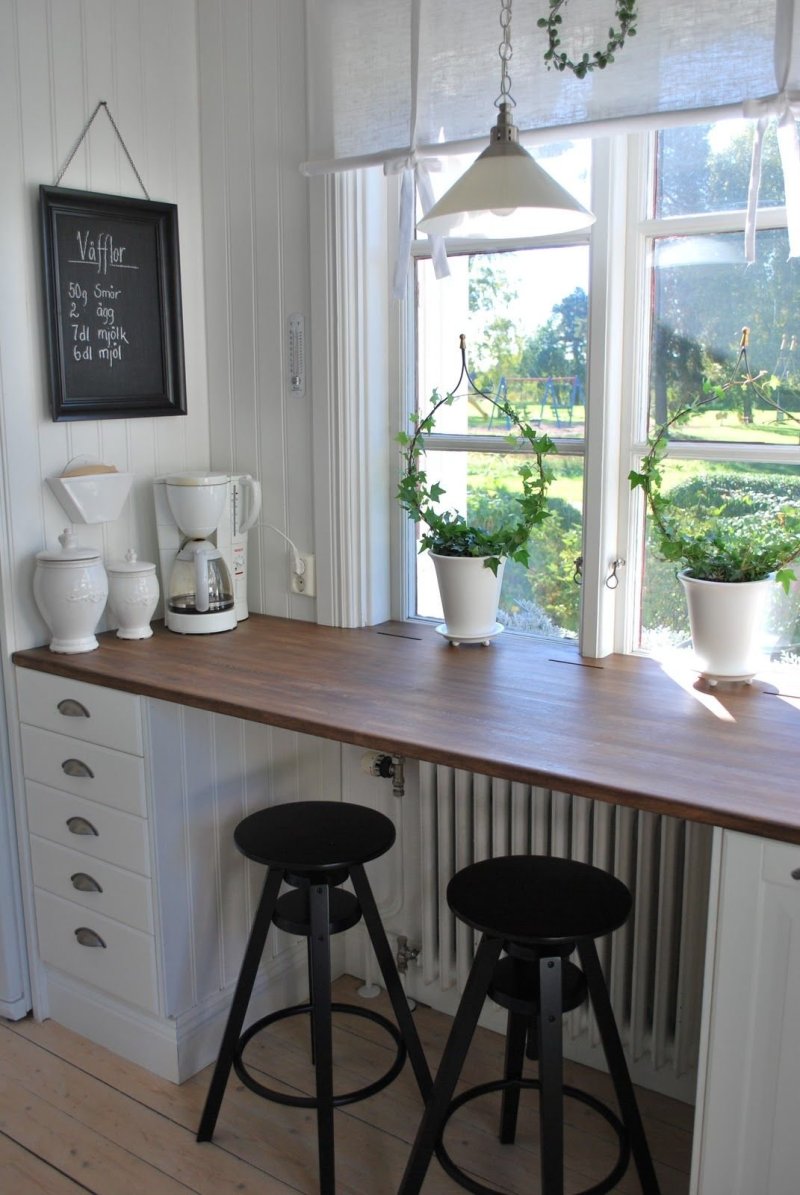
(85, 130)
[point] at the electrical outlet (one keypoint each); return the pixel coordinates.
(305, 582)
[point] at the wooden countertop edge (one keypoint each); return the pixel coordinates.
(75, 668)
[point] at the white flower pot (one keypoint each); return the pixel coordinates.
(470, 594)
(726, 622)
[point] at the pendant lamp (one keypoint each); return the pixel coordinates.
(505, 193)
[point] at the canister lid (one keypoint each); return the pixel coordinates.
(70, 550)
(130, 564)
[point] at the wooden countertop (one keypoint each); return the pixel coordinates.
(623, 729)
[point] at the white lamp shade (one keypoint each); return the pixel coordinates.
(504, 194)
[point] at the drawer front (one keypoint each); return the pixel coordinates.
(89, 712)
(92, 883)
(118, 837)
(97, 773)
(124, 965)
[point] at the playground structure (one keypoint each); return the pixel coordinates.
(560, 394)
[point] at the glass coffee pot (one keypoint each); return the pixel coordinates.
(200, 582)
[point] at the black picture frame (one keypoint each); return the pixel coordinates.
(113, 305)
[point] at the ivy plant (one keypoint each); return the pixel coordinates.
(448, 533)
(718, 545)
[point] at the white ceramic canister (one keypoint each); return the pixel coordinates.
(132, 595)
(70, 588)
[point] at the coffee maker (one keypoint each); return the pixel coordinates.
(202, 520)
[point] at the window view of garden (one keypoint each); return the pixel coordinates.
(525, 316)
(526, 344)
(704, 293)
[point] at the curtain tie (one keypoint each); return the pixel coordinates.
(783, 107)
(414, 169)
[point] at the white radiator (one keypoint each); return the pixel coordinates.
(654, 964)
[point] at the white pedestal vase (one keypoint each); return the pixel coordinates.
(726, 621)
(470, 594)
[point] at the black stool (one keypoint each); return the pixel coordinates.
(538, 910)
(315, 846)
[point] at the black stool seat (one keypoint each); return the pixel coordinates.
(538, 899)
(538, 910)
(312, 836)
(315, 847)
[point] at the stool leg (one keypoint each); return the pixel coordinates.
(455, 1052)
(617, 1065)
(241, 999)
(516, 1034)
(391, 979)
(319, 896)
(310, 994)
(551, 1077)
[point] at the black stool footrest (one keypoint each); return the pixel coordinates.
(470, 1184)
(310, 1101)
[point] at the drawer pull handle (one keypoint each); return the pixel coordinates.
(76, 767)
(87, 937)
(84, 882)
(72, 709)
(80, 825)
(796, 873)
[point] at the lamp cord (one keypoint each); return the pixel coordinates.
(506, 53)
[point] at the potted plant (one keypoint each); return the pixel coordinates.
(469, 559)
(727, 561)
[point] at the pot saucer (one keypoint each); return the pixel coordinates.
(496, 630)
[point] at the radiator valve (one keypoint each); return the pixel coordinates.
(405, 953)
(388, 767)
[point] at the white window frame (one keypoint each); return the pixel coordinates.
(362, 370)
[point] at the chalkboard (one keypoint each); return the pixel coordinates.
(113, 297)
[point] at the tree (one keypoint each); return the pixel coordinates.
(700, 309)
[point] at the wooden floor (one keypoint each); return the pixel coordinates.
(76, 1118)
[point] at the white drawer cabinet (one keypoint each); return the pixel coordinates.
(82, 751)
(85, 769)
(97, 950)
(82, 711)
(85, 826)
(94, 884)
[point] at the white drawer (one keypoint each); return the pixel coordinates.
(90, 712)
(119, 838)
(111, 777)
(92, 883)
(124, 966)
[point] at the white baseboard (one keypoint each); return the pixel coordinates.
(174, 1047)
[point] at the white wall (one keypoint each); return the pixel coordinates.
(255, 212)
(210, 98)
(57, 59)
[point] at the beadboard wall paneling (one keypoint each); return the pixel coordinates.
(207, 773)
(252, 122)
(57, 59)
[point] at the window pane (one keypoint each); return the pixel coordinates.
(703, 295)
(543, 599)
(525, 316)
(706, 168)
(703, 487)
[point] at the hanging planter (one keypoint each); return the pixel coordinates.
(728, 562)
(473, 551)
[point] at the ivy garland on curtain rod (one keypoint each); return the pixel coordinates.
(625, 11)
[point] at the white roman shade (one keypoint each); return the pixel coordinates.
(398, 82)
